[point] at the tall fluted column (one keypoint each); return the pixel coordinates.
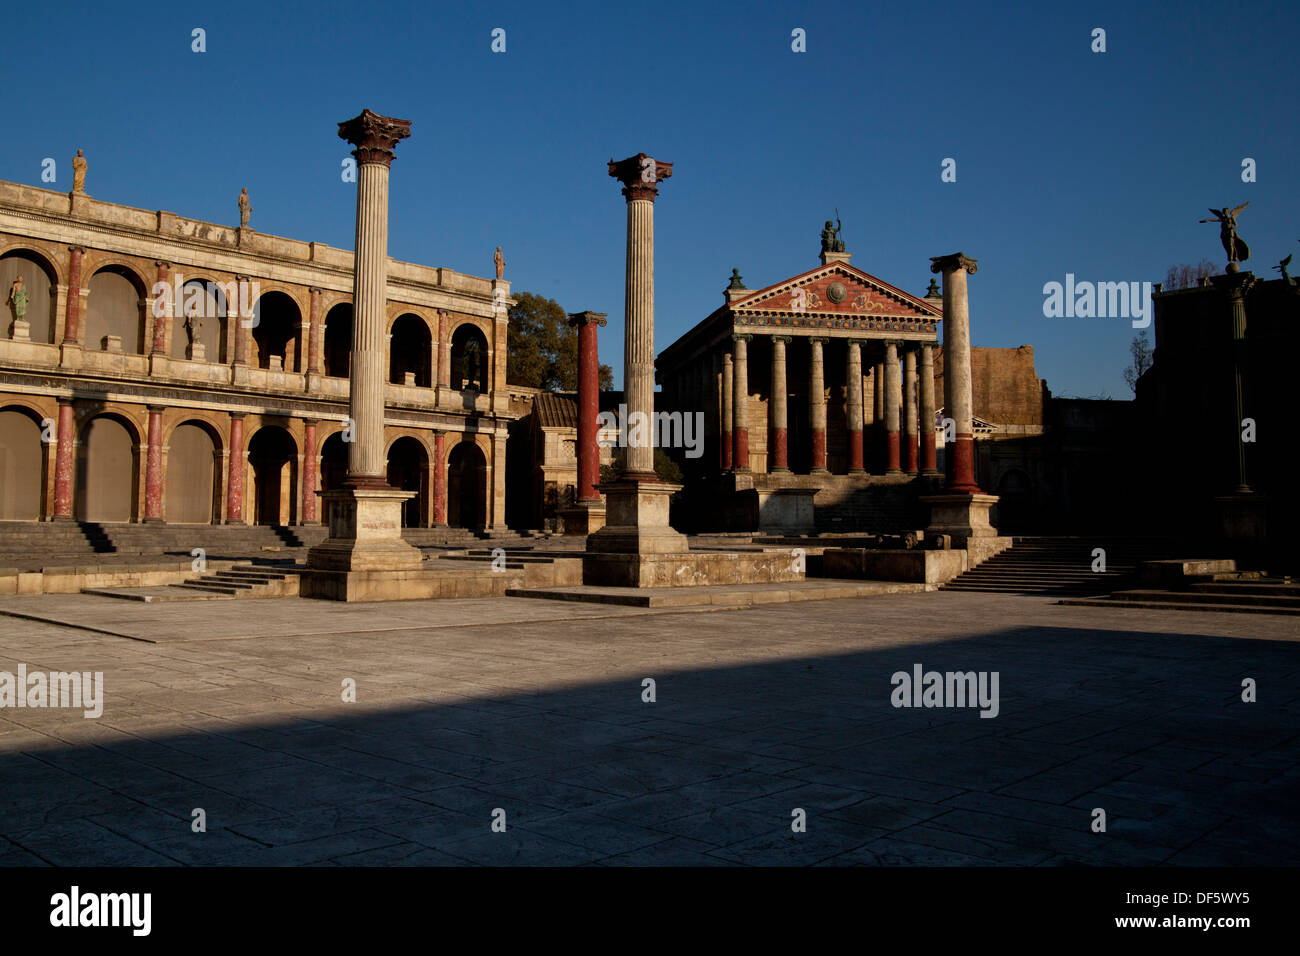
(817, 404)
(375, 137)
(957, 385)
(893, 392)
(310, 473)
(235, 471)
(910, 458)
(640, 176)
(587, 324)
(929, 461)
(879, 438)
(728, 409)
(740, 405)
(153, 467)
(780, 435)
(440, 478)
(853, 405)
(72, 313)
(65, 460)
(162, 316)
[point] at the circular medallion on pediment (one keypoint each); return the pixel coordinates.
(836, 292)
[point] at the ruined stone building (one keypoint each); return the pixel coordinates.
(132, 387)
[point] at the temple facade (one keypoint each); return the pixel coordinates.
(157, 368)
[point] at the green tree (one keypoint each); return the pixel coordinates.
(542, 348)
(665, 468)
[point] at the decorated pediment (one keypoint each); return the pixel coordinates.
(836, 296)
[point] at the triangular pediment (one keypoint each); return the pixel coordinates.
(835, 290)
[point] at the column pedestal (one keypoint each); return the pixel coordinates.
(963, 516)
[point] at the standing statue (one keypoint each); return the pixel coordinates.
(194, 322)
(1281, 267)
(500, 261)
(831, 241)
(18, 299)
(79, 173)
(245, 208)
(1233, 244)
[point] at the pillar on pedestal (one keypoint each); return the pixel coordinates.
(779, 445)
(315, 340)
(587, 513)
(910, 457)
(929, 460)
(65, 458)
(880, 441)
(310, 474)
(72, 312)
(440, 479)
(740, 405)
(817, 405)
(235, 471)
(162, 309)
(893, 393)
(365, 516)
(728, 412)
(853, 405)
(153, 467)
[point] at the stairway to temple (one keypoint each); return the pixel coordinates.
(1061, 566)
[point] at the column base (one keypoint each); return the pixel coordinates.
(857, 471)
(365, 532)
(583, 517)
(636, 519)
(962, 516)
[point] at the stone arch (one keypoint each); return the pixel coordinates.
(410, 349)
(191, 492)
(467, 486)
(333, 461)
(202, 302)
(116, 307)
(338, 340)
(108, 466)
(273, 463)
(469, 357)
(41, 282)
(408, 470)
(277, 330)
(22, 464)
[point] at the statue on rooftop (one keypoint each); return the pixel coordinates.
(500, 261)
(831, 241)
(245, 208)
(1233, 244)
(79, 173)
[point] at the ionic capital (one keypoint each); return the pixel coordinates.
(578, 319)
(953, 262)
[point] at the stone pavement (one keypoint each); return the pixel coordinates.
(536, 708)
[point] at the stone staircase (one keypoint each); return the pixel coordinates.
(1060, 566)
(28, 545)
(1241, 593)
(238, 581)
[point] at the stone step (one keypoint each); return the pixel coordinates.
(1229, 608)
(1197, 597)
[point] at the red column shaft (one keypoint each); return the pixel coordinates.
(440, 479)
(235, 472)
(72, 314)
(819, 448)
(910, 451)
(740, 442)
(588, 409)
(892, 449)
(780, 448)
(153, 468)
(309, 475)
(963, 465)
(855, 450)
(160, 321)
(928, 456)
(64, 462)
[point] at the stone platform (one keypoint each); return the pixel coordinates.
(690, 568)
(731, 596)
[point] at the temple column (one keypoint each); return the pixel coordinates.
(853, 405)
(880, 442)
(893, 392)
(440, 479)
(235, 471)
(728, 409)
(65, 460)
(957, 385)
(153, 467)
(310, 469)
(910, 461)
(779, 444)
(587, 513)
(817, 405)
(929, 461)
(740, 405)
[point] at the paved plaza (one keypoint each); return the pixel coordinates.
(466, 708)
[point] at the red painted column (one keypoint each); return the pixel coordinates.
(817, 404)
(444, 351)
(64, 461)
(440, 479)
(740, 403)
(910, 415)
(72, 314)
(310, 478)
(925, 417)
(588, 402)
(778, 400)
(242, 323)
(160, 321)
(153, 467)
(893, 396)
(235, 471)
(315, 347)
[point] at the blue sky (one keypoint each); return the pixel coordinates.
(1067, 160)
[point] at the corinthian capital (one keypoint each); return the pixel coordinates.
(640, 175)
(374, 136)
